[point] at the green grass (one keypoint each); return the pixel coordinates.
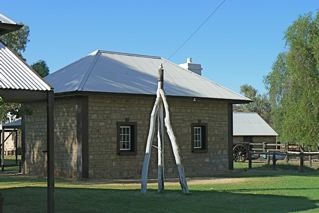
(257, 190)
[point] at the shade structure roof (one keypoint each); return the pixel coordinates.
(251, 124)
(12, 124)
(18, 82)
(114, 72)
(7, 25)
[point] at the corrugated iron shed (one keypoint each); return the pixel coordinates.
(251, 124)
(15, 75)
(114, 72)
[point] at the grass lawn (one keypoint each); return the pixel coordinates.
(256, 190)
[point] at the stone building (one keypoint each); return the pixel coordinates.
(102, 110)
(250, 127)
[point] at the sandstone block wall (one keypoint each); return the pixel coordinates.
(65, 141)
(106, 110)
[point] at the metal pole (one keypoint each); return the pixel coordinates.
(50, 151)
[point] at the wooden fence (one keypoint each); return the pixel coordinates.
(276, 151)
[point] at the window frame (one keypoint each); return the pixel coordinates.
(133, 138)
(203, 137)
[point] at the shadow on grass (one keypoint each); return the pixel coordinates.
(31, 199)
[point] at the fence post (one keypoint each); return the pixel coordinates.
(287, 149)
(268, 157)
(264, 146)
(249, 157)
(274, 161)
(301, 161)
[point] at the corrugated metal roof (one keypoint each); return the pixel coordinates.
(7, 25)
(251, 124)
(12, 124)
(6, 20)
(114, 72)
(16, 75)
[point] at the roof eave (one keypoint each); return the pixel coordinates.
(8, 28)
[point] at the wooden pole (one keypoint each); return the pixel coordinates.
(2, 147)
(149, 142)
(23, 144)
(16, 146)
(301, 156)
(50, 151)
(274, 161)
(249, 156)
(160, 135)
(175, 147)
(160, 151)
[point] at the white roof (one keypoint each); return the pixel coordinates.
(113, 72)
(250, 124)
(16, 75)
(6, 20)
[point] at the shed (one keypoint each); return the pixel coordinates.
(251, 127)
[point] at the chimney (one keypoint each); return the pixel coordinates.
(196, 68)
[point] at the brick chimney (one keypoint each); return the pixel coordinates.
(196, 68)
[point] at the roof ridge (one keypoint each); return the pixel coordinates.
(89, 70)
(128, 54)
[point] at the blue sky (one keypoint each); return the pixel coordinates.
(237, 45)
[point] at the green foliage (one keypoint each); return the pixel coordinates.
(17, 40)
(41, 68)
(260, 103)
(293, 84)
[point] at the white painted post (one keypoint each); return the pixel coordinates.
(149, 142)
(158, 113)
(175, 147)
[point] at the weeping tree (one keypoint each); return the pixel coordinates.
(293, 83)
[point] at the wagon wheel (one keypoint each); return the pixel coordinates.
(239, 153)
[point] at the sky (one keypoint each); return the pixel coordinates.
(236, 46)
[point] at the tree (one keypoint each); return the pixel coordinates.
(41, 68)
(17, 40)
(259, 104)
(293, 84)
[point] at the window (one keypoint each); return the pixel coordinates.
(199, 137)
(126, 138)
